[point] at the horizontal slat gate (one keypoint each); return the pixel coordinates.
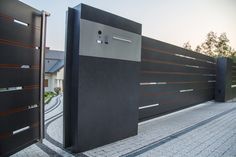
(20, 31)
(173, 78)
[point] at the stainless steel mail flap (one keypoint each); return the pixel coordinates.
(98, 40)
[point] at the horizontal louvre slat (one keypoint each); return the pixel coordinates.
(18, 55)
(153, 98)
(233, 81)
(155, 44)
(174, 78)
(176, 102)
(16, 99)
(234, 74)
(165, 89)
(234, 69)
(20, 11)
(171, 67)
(153, 55)
(233, 78)
(20, 140)
(26, 35)
(13, 77)
(18, 120)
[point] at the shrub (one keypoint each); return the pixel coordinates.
(48, 96)
(57, 90)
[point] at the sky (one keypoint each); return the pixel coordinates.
(171, 21)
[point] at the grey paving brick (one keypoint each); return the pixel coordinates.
(216, 138)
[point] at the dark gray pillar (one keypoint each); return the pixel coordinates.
(223, 79)
(101, 98)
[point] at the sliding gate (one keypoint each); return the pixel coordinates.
(173, 78)
(20, 40)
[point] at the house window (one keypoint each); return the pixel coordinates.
(45, 82)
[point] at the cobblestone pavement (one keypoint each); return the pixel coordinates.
(53, 110)
(208, 129)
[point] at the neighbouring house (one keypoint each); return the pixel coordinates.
(54, 69)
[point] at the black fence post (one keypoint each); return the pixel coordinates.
(223, 79)
(101, 94)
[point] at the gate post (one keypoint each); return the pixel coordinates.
(223, 79)
(42, 69)
(101, 93)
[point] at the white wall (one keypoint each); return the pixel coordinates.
(50, 82)
(60, 78)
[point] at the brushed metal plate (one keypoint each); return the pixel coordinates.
(98, 40)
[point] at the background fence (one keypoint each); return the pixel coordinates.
(173, 78)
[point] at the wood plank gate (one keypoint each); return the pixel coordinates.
(20, 79)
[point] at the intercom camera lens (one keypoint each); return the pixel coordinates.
(99, 32)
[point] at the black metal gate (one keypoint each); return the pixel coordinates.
(20, 39)
(173, 78)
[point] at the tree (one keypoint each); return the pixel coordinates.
(187, 46)
(208, 46)
(198, 49)
(222, 46)
(215, 46)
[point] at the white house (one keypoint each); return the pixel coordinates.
(54, 69)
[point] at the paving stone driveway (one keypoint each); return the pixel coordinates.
(207, 129)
